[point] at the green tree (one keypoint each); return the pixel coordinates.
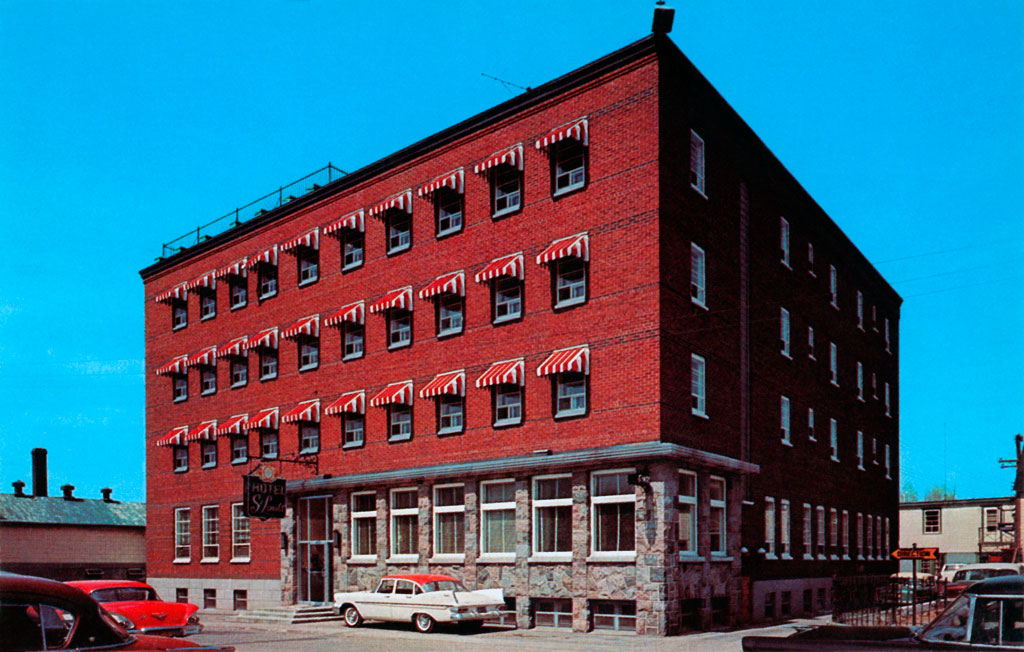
(908, 495)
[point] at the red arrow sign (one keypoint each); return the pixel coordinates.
(916, 553)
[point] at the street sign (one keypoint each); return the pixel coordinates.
(263, 499)
(916, 553)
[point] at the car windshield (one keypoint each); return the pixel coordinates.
(951, 625)
(124, 594)
(975, 574)
(443, 585)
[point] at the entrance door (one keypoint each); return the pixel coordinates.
(314, 549)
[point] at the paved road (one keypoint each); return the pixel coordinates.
(377, 637)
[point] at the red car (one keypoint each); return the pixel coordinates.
(140, 604)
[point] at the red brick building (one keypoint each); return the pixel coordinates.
(594, 346)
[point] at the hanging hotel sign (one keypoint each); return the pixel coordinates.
(263, 494)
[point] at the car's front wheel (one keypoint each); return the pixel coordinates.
(424, 624)
(352, 616)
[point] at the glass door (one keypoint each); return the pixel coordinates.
(314, 549)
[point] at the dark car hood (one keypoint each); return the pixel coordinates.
(836, 638)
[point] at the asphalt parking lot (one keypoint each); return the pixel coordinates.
(376, 637)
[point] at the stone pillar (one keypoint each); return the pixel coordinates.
(521, 575)
(424, 529)
(580, 550)
(288, 555)
(383, 540)
(340, 524)
(472, 528)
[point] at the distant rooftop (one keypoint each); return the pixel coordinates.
(59, 511)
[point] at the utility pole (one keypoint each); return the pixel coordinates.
(1018, 495)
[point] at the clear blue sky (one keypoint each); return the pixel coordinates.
(125, 124)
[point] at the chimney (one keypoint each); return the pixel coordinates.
(662, 18)
(39, 489)
(19, 489)
(106, 491)
(68, 489)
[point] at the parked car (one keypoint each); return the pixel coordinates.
(948, 570)
(907, 593)
(422, 599)
(139, 603)
(972, 573)
(41, 614)
(988, 615)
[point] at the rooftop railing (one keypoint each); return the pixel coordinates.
(283, 195)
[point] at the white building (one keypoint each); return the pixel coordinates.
(965, 531)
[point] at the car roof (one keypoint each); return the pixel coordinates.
(421, 578)
(91, 585)
(12, 583)
(1006, 585)
(993, 564)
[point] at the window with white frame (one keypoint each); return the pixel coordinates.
(207, 305)
(180, 388)
(506, 189)
(268, 444)
(211, 533)
(613, 512)
(180, 457)
(860, 381)
(399, 328)
(266, 276)
(353, 427)
(450, 413)
(552, 516)
(888, 468)
(807, 530)
(398, 226)
(833, 286)
(239, 448)
(498, 518)
(697, 162)
(238, 290)
(784, 240)
(508, 404)
(769, 527)
(820, 515)
(448, 211)
(568, 159)
(182, 533)
(209, 454)
(698, 396)
(717, 524)
(785, 550)
(784, 331)
(810, 259)
(860, 310)
(833, 530)
(179, 315)
(846, 534)
(240, 545)
(833, 363)
(932, 521)
(309, 265)
(888, 411)
(207, 379)
(784, 424)
(698, 276)
(860, 450)
(239, 371)
(309, 353)
(860, 535)
(810, 425)
(353, 243)
(309, 437)
(687, 536)
(399, 422)
(450, 309)
(570, 394)
(810, 342)
(405, 518)
(833, 438)
(570, 281)
(449, 520)
(354, 335)
(364, 524)
(508, 299)
(268, 363)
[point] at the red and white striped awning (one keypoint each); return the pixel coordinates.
(268, 255)
(576, 358)
(234, 425)
(453, 180)
(263, 420)
(237, 268)
(511, 265)
(353, 221)
(452, 283)
(400, 298)
(575, 245)
(354, 313)
(577, 130)
(351, 403)
(402, 201)
(507, 372)
(452, 382)
(394, 393)
(305, 327)
(206, 357)
(235, 347)
(177, 293)
(206, 430)
(174, 437)
(305, 411)
(175, 367)
(512, 156)
(207, 281)
(309, 239)
(265, 339)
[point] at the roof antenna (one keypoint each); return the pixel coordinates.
(508, 85)
(662, 18)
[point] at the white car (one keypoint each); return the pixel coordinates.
(422, 599)
(949, 570)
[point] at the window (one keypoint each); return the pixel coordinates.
(552, 516)
(784, 421)
(810, 424)
(239, 372)
(400, 422)
(498, 518)
(687, 513)
(240, 546)
(239, 449)
(697, 389)
(810, 259)
(833, 362)
(309, 265)
(570, 281)
(352, 245)
(399, 328)
(240, 600)
(268, 364)
(887, 348)
(784, 530)
(874, 318)
(784, 240)
(209, 598)
(211, 530)
(508, 404)
(399, 231)
(860, 450)
(888, 411)
(568, 159)
(209, 451)
(698, 276)
(180, 388)
(449, 520)
(810, 342)
(885, 538)
(808, 527)
(309, 353)
(267, 279)
(846, 534)
(268, 444)
(860, 536)
(888, 471)
(784, 331)
(180, 454)
(874, 386)
(833, 530)
(570, 394)
(820, 512)
(208, 380)
(869, 535)
(507, 188)
(207, 305)
(615, 615)
(353, 428)
(364, 524)
(449, 314)
(833, 286)
(182, 533)
(932, 521)
(833, 438)
(179, 315)
(697, 162)
(405, 515)
(508, 299)
(181, 594)
(860, 310)
(309, 437)
(769, 527)
(448, 211)
(860, 381)
(718, 523)
(553, 613)
(613, 505)
(354, 335)
(238, 290)
(450, 413)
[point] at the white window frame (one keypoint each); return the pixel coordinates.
(833, 363)
(354, 341)
(180, 458)
(784, 241)
(239, 454)
(833, 286)
(503, 177)
(238, 291)
(566, 281)
(860, 381)
(207, 305)
(860, 310)
(698, 276)
(438, 511)
(267, 280)
(810, 425)
(860, 450)
(207, 380)
(349, 431)
(819, 513)
(450, 314)
(769, 528)
(487, 509)
(784, 421)
(267, 437)
(239, 372)
(354, 556)
(888, 406)
(395, 513)
(785, 543)
(353, 249)
(833, 438)
(182, 534)
(398, 239)
(569, 392)
(936, 528)
(698, 161)
(451, 401)
(691, 504)
(449, 221)
(179, 387)
(808, 529)
(628, 498)
(537, 504)
(698, 386)
(208, 454)
(179, 315)
(784, 332)
(399, 328)
(395, 410)
(269, 362)
(722, 506)
(576, 177)
(309, 353)
(241, 541)
(211, 534)
(846, 534)
(309, 437)
(308, 261)
(508, 298)
(503, 390)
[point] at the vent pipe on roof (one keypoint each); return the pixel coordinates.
(68, 490)
(39, 473)
(19, 489)
(662, 18)
(106, 491)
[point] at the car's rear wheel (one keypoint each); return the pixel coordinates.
(352, 616)
(424, 624)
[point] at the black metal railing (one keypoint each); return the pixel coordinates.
(284, 194)
(884, 600)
